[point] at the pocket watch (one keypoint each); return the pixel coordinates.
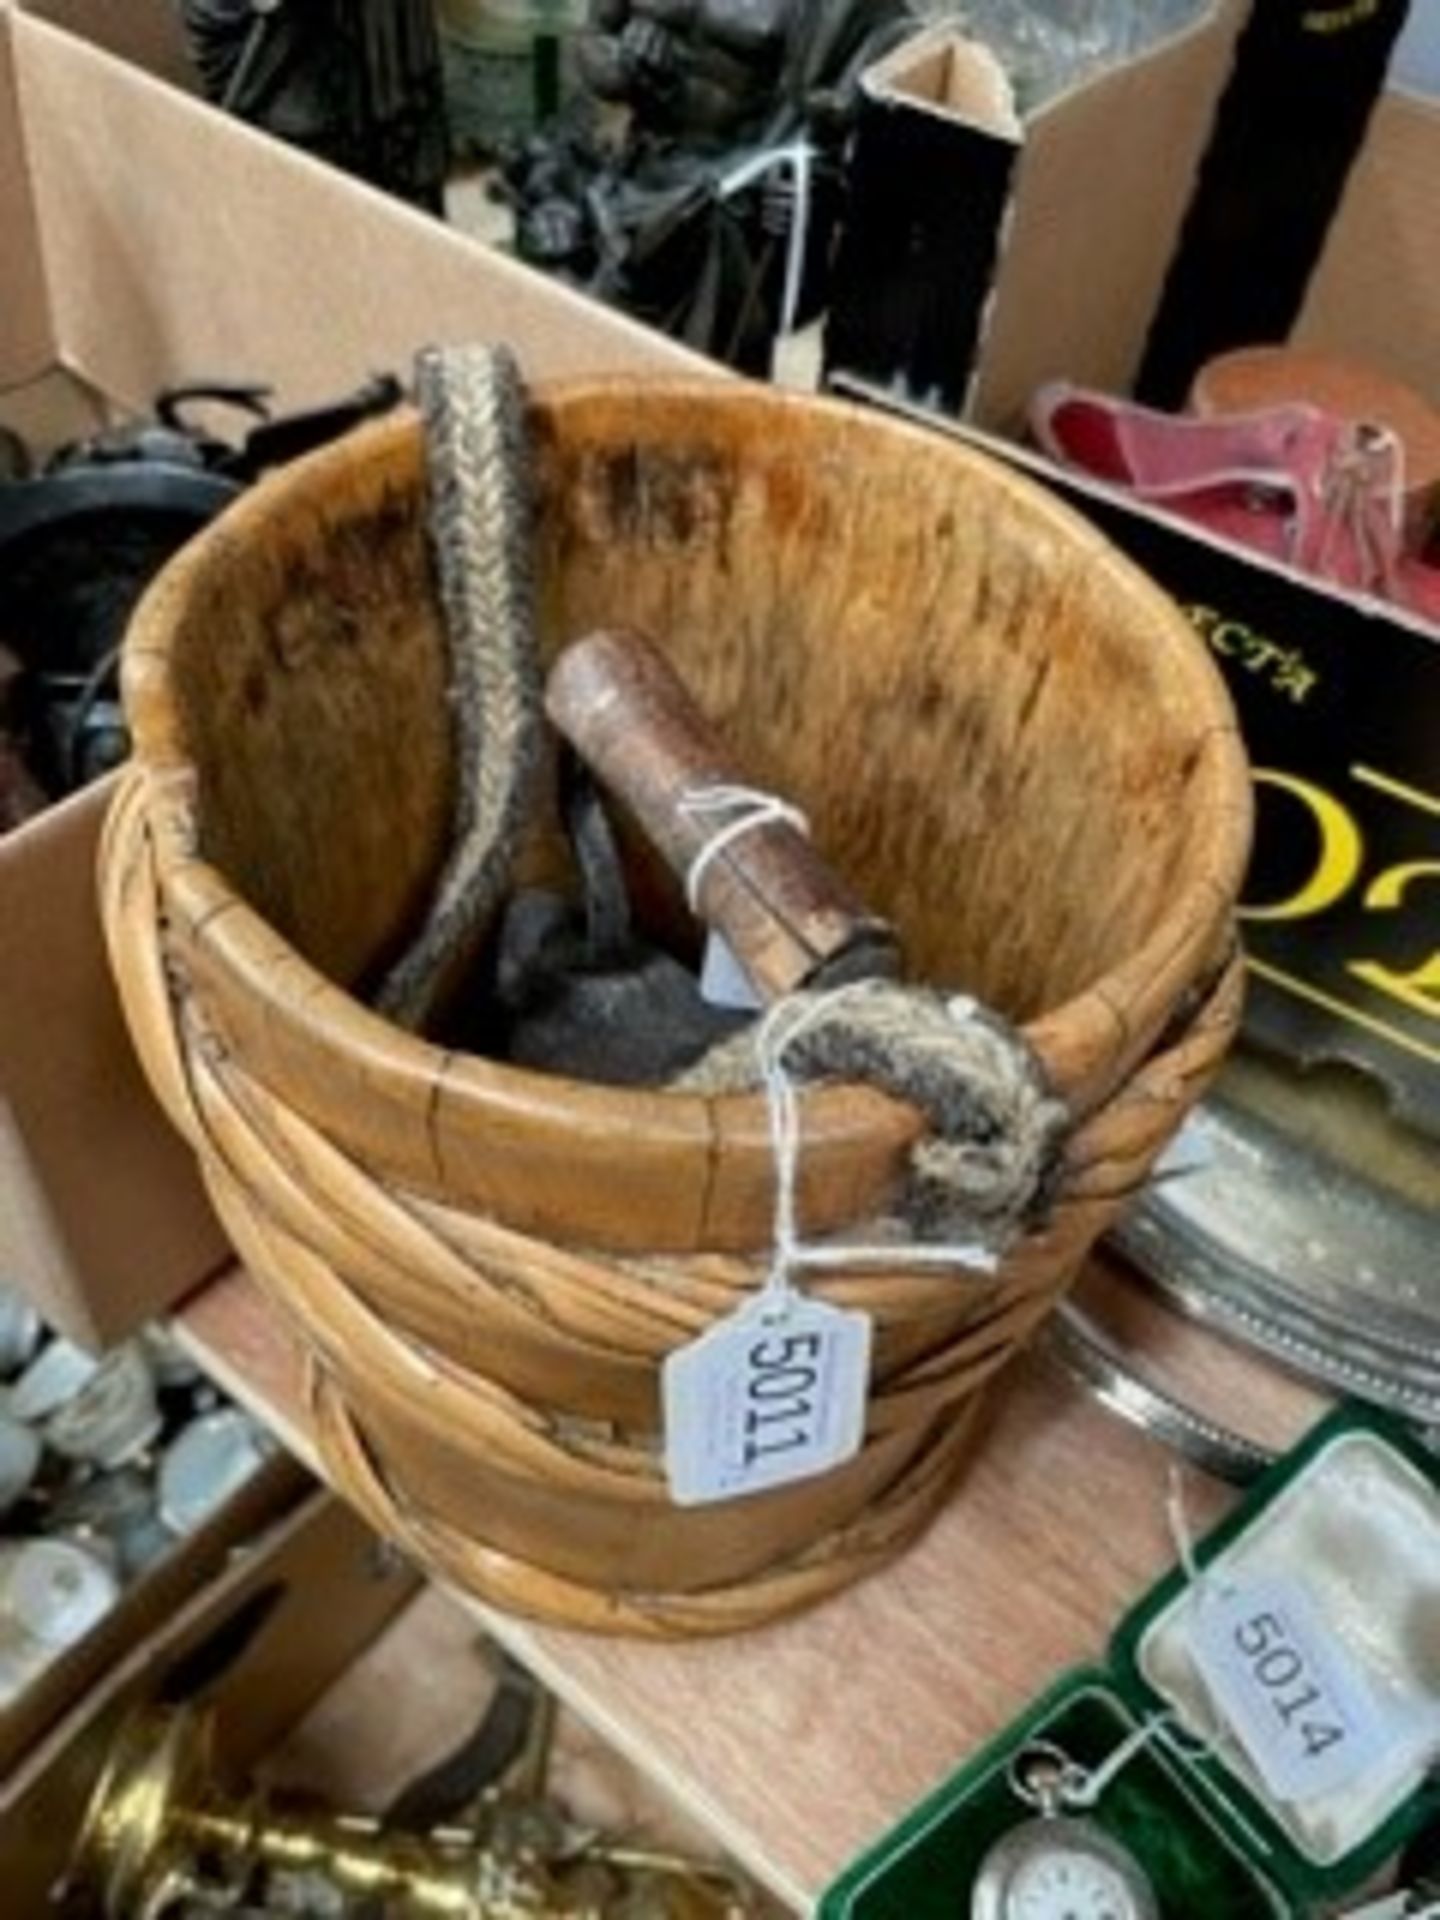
(1058, 1865)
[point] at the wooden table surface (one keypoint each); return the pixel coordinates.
(797, 1745)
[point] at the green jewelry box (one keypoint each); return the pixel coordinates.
(1280, 1692)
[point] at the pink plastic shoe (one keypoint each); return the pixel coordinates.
(1249, 379)
(1324, 495)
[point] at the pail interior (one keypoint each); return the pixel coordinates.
(997, 727)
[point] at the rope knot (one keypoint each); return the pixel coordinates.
(986, 1166)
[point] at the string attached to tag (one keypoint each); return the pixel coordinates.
(1043, 1774)
(747, 808)
(1177, 1518)
(778, 1391)
(1086, 1867)
(782, 1026)
(724, 978)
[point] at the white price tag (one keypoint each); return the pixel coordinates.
(1286, 1687)
(724, 981)
(768, 1396)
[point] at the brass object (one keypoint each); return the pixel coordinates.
(159, 1832)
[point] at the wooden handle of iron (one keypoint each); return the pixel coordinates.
(790, 920)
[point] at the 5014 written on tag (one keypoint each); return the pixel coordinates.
(772, 1394)
(1287, 1688)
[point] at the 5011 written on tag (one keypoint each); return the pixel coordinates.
(772, 1394)
(1287, 1688)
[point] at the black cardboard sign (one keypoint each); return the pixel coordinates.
(1339, 701)
(1340, 707)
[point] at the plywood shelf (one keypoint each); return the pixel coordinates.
(795, 1746)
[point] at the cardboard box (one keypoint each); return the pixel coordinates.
(147, 33)
(1337, 695)
(102, 1218)
(150, 239)
(1375, 291)
(261, 1642)
(165, 1586)
(983, 254)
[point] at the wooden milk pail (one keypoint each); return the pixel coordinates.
(1005, 737)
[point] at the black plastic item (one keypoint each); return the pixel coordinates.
(80, 540)
(355, 82)
(1307, 74)
(15, 461)
(924, 227)
(274, 441)
(449, 1789)
(1420, 1868)
(577, 988)
(77, 548)
(707, 266)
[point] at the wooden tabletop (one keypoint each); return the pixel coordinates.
(799, 1744)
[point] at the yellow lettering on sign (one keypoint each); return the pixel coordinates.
(1398, 790)
(1420, 989)
(1340, 851)
(1285, 669)
(1390, 889)
(1336, 19)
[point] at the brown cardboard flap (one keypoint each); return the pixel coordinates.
(296, 1606)
(149, 240)
(101, 1237)
(959, 77)
(25, 329)
(190, 1564)
(53, 411)
(1104, 178)
(145, 32)
(1375, 293)
(215, 250)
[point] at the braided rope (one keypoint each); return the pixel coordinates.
(472, 402)
(985, 1168)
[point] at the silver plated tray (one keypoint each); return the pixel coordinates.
(1279, 1245)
